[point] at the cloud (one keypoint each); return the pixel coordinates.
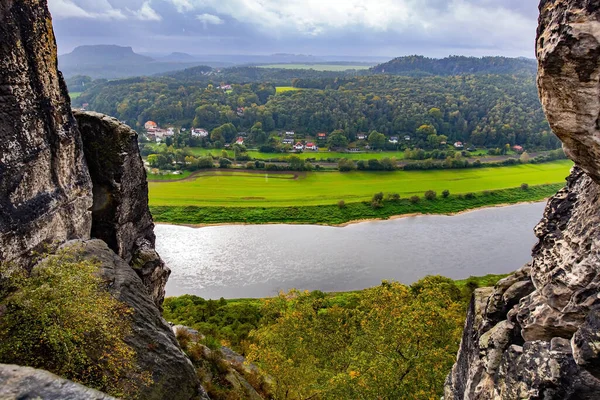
(146, 13)
(209, 19)
(63, 9)
(390, 27)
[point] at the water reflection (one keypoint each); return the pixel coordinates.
(260, 260)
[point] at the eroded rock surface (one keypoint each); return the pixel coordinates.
(18, 383)
(45, 188)
(538, 335)
(120, 215)
(568, 52)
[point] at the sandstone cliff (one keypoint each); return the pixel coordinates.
(536, 334)
(80, 181)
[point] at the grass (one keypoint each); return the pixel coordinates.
(219, 188)
(168, 177)
(319, 155)
(75, 95)
(317, 67)
(331, 214)
(283, 89)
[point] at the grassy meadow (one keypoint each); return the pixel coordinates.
(283, 89)
(220, 188)
(319, 155)
(318, 67)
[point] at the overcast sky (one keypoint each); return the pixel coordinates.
(434, 28)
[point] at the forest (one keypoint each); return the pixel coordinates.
(488, 110)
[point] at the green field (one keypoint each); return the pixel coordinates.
(317, 67)
(283, 89)
(75, 95)
(242, 189)
(319, 155)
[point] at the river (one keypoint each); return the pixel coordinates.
(239, 261)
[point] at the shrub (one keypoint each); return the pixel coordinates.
(470, 196)
(430, 195)
(415, 199)
(378, 197)
(346, 165)
(446, 193)
(524, 186)
(394, 197)
(224, 163)
(62, 319)
(376, 204)
(341, 204)
(250, 165)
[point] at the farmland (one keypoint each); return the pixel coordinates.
(283, 89)
(244, 189)
(318, 155)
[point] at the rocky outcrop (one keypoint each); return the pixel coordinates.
(568, 52)
(120, 214)
(18, 383)
(536, 335)
(157, 349)
(45, 188)
(63, 179)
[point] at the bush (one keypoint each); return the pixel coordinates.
(378, 197)
(446, 194)
(394, 197)
(62, 319)
(224, 163)
(524, 186)
(415, 199)
(250, 165)
(376, 204)
(341, 204)
(470, 196)
(205, 162)
(430, 195)
(346, 165)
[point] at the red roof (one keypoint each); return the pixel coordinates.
(322, 134)
(151, 123)
(310, 145)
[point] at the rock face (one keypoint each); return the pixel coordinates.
(568, 52)
(157, 349)
(120, 215)
(27, 383)
(45, 188)
(59, 182)
(536, 335)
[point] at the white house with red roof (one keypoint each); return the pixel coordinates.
(240, 141)
(298, 146)
(150, 125)
(459, 145)
(310, 146)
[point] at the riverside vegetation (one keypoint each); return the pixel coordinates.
(390, 341)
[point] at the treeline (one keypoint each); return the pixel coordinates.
(456, 65)
(484, 110)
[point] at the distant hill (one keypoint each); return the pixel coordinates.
(103, 54)
(178, 57)
(455, 65)
(112, 62)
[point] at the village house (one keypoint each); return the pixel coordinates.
(321, 136)
(353, 150)
(517, 148)
(199, 133)
(459, 145)
(240, 141)
(311, 146)
(150, 125)
(240, 111)
(407, 138)
(298, 146)
(361, 136)
(394, 140)
(288, 141)
(290, 134)
(225, 87)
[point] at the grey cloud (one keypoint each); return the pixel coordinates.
(430, 27)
